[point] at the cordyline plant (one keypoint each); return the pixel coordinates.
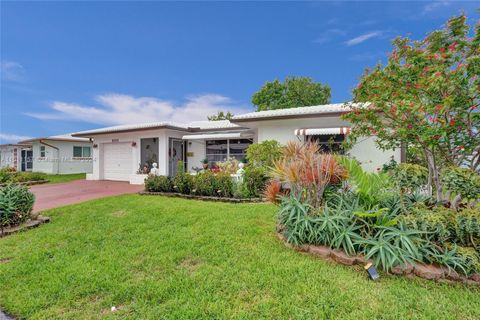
(427, 97)
(307, 171)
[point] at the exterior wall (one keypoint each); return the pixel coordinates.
(8, 157)
(364, 151)
(60, 161)
(197, 147)
(162, 136)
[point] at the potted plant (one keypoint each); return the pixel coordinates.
(205, 163)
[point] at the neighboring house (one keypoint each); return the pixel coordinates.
(18, 156)
(61, 154)
(119, 152)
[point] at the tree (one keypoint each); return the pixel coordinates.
(427, 96)
(221, 116)
(292, 93)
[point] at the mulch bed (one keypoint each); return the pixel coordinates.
(204, 198)
(25, 226)
(430, 272)
(27, 183)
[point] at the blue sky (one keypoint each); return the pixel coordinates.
(67, 67)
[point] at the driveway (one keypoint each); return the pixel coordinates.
(48, 196)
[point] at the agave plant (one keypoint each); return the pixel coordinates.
(347, 238)
(392, 246)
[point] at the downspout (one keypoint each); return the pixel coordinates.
(58, 153)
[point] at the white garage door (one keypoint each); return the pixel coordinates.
(117, 161)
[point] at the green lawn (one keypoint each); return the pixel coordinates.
(170, 258)
(59, 178)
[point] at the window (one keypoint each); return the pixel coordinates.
(217, 150)
(238, 148)
(82, 152)
(42, 152)
(330, 143)
(220, 150)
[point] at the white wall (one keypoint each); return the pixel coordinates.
(7, 157)
(162, 136)
(60, 161)
(364, 151)
(197, 147)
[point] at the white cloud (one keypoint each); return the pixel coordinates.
(11, 71)
(435, 5)
(116, 109)
(329, 35)
(7, 137)
(363, 38)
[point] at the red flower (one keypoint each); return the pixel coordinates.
(442, 50)
(410, 126)
(452, 122)
(452, 46)
(438, 107)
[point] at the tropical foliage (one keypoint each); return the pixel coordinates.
(16, 204)
(364, 213)
(427, 97)
(9, 175)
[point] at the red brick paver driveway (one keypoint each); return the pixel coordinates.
(49, 196)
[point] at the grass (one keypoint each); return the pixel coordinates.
(59, 178)
(170, 258)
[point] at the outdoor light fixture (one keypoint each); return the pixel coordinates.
(95, 146)
(372, 271)
(134, 143)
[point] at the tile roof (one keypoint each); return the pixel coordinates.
(293, 112)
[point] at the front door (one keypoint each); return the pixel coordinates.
(175, 154)
(27, 161)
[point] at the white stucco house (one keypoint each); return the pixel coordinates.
(119, 151)
(60, 154)
(18, 156)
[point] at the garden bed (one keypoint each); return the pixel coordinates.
(28, 183)
(425, 271)
(204, 198)
(33, 223)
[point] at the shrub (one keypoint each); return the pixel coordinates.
(16, 204)
(264, 154)
(254, 181)
(5, 175)
(28, 176)
(223, 185)
(307, 171)
(183, 182)
(445, 225)
(204, 184)
(158, 184)
(462, 182)
(229, 166)
(410, 177)
(273, 191)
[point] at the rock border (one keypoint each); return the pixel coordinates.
(33, 223)
(421, 270)
(203, 198)
(27, 183)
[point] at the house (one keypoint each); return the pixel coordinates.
(120, 152)
(18, 156)
(60, 154)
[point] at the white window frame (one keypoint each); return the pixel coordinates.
(43, 150)
(82, 152)
(228, 149)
